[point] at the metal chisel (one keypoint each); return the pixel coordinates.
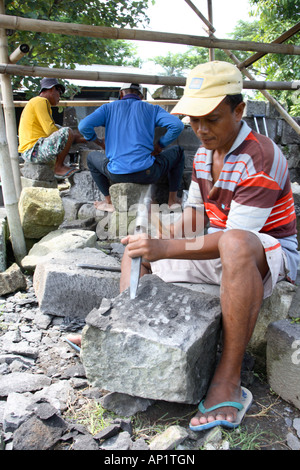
(141, 226)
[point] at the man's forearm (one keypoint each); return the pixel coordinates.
(201, 247)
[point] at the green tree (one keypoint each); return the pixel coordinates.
(276, 17)
(65, 51)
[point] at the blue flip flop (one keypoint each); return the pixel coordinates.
(242, 408)
(69, 173)
(73, 345)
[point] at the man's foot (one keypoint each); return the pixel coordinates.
(65, 172)
(104, 206)
(76, 339)
(219, 393)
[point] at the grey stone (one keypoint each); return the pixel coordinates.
(58, 241)
(83, 188)
(108, 432)
(15, 411)
(65, 289)
(123, 404)
(274, 308)
(30, 183)
(139, 444)
(12, 280)
(293, 442)
(41, 211)
(169, 439)
(82, 224)
(125, 195)
(162, 344)
(296, 425)
(37, 434)
(22, 382)
(58, 394)
(283, 360)
(120, 442)
(37, 171)
(71, 207)
(21, 348)
(84, 442)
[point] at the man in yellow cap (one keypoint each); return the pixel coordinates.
(241, 187)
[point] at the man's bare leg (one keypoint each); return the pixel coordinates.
(59, 167)
(244, 266)
(173, 198)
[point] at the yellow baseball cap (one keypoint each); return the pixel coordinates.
(206, 86)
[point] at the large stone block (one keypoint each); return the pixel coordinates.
(83, 188)
(65, 289)
(41, 211)
(57, 241)
(161, 345)
(283, 360)
(125, 195)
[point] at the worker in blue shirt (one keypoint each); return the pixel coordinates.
(131, 155)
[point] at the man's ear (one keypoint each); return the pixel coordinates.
(239, 110)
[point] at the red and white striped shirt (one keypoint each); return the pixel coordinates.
(253, 191)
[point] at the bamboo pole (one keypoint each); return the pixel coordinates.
(9, 111)
(33, 71)
(283, 37)
(211, 52)
(10, 196)
(269, 97)
(75, 29)
(18, 53)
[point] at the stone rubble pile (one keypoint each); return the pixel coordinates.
(42, 378)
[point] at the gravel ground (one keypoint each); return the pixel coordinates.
(270, 424)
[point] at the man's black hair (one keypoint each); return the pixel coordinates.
(233, 100)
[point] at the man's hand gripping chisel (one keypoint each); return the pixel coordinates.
(141, 226)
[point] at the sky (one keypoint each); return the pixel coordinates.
(176, 16)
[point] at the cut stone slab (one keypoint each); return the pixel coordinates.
(64, 289)
(283, 360)
(160, 345)
(125, 195)
(41, 211)
(274, 308)
(56, 241)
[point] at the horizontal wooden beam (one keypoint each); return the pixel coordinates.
(30, 71)
(74, 29)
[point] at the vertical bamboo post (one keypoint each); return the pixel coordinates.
(9, 109)
(210, 19)
(10, 196)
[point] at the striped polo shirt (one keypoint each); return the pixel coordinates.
(253, 191)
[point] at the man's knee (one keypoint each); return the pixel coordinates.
(235, 244)
(241, 247)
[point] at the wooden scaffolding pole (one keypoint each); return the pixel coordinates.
(9, 110)
(75, 29)
(33, 71)
(283, 37)
(10, 196)
(270, 98)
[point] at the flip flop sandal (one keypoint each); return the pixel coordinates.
(242, 408)
(73, 345)
(69, 173)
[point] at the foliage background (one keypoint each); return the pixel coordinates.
(63, 51)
